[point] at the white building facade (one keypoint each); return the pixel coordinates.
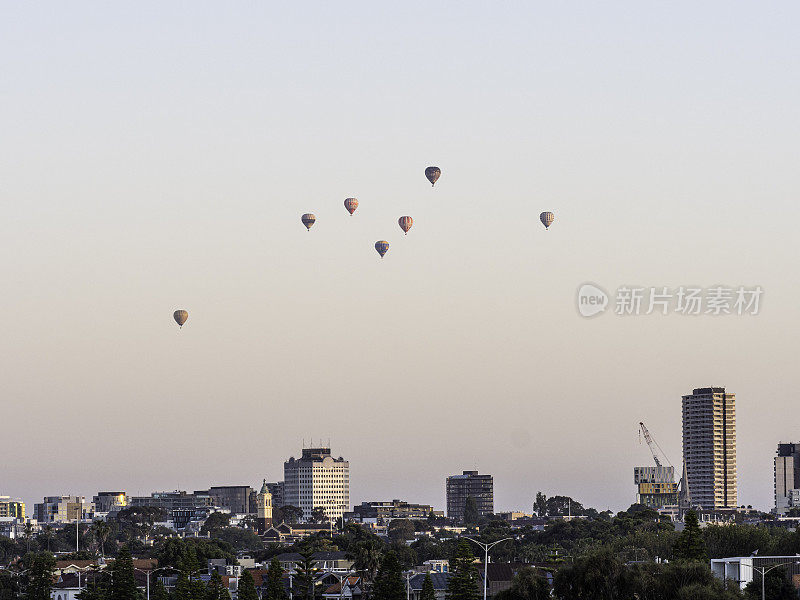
(317, 480)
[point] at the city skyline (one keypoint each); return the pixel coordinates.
(157, 158)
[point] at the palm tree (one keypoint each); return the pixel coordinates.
(47, 532)
(28, 534)
(367, 554)
(101, 530)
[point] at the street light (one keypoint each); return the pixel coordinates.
(765, 570)
(486, 548)
(147, 573)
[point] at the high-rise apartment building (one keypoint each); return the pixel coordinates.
(709, 447)
(787, 477)
(317, 480)
(469, 484)
(12, 508)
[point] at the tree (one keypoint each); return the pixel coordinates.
(101, 531)
(427, 592)
(463, 583)
(597, 576)
(275, 589)
(389, 581)
(401, 530)
(216, 588)
(471, 515)
(158, 591)
(238, 538)
(776, 586)
(318, 515)
(540, 504)
(527, 584)
(367, 556)
(48, 535)
(247, 587)
(40, 577)
(291, 514)
(306, 574)
(28, 534)
(93, 591)
(690, 544)
(123, 584)
(9, 586)
(215, 521)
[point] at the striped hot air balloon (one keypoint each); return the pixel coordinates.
(308, 220)
(351, 204)
(547, 219)
(382, 247)
(433, 174)
(405, 223)
(180, 317)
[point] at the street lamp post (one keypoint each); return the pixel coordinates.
(147, 573)
(765, 570)
(486, 548)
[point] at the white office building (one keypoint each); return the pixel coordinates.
(317, 480)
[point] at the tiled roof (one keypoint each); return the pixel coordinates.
(439, 581)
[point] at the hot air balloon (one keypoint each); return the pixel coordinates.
(351, 204)
(547, 219)
(405, 223)
(308, 220)
(382, 247)
(433, 173)
(180, 317)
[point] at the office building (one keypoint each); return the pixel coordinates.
(239, 499)
(276, 489)
(655, 486)
(709, 447)
(469, 484)
(787, 477)
(14, 509)
(317, 480)
(110, 502)
(171, 501)
(63, 509)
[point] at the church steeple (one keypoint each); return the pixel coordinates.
(264, 506)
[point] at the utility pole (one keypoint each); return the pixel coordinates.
(486, 548)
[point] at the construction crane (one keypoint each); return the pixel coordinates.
(652, 444)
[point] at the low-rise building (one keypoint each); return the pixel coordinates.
(744, 569)
(440, 581)
(63, 509)
(334, 562)
(110, 502)
(383, 512)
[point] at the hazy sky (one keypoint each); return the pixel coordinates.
(158, 156)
